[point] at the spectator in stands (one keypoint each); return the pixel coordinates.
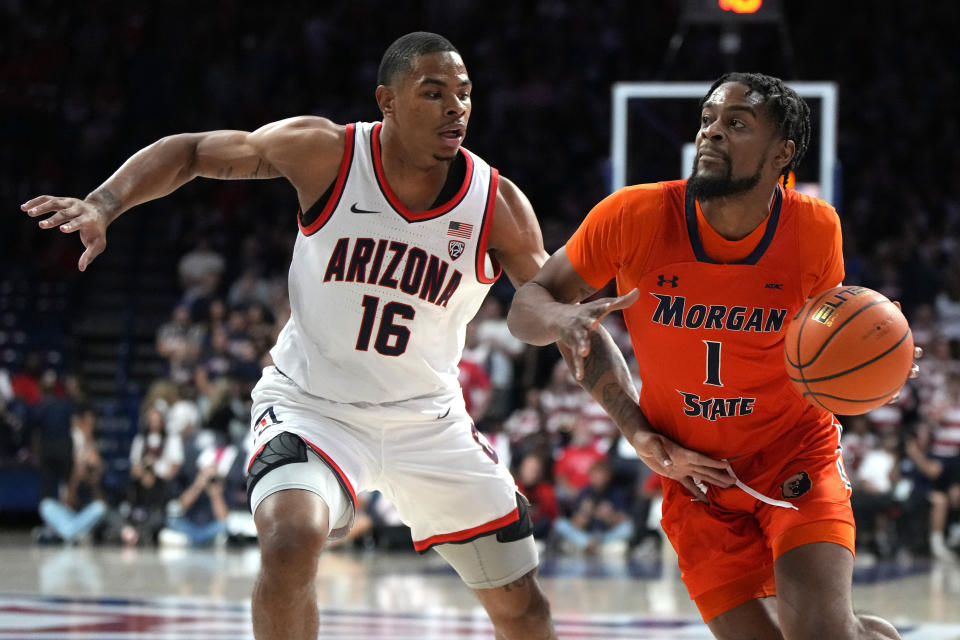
(924, 327)
(144, 509)
(918, 473)
(474, 380)
(216, 361)
(214, 317)
(539, 493)
(155, 449)
(25, 384)
(873, 500)
(14, 437)
(571, 471)
(179, 342)
(184, 415)
(251, 288)
(200, 271)
(496, 349)
(947, 305)
(52, 423)
(83, 507)
(648, 536)
(199, 515)
(525, 428)
(561, 400)
(260, 328)
(241, 346)
(944, 410)
(6, 388)
(600, 520)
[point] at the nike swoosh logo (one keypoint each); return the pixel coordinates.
(445, 414)
(356, 209)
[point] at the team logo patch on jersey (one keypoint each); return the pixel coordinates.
(266, 419)
(796, 485)
(455, 249)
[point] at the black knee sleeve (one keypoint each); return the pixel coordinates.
(285, 448)
(523, 526)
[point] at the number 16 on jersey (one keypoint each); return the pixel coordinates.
(392, 338)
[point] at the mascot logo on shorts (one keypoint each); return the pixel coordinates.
(455, 249)
(796, 485)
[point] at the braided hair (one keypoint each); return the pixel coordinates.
(399, 56)
(789, 111)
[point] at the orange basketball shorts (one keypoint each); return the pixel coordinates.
(727, 548)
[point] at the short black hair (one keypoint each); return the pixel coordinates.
(400, 55)
(789, 111)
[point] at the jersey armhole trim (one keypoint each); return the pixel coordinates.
(485, 225)
(334, 198)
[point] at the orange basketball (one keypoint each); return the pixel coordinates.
(849, 350)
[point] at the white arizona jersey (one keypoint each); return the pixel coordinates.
(379, 295)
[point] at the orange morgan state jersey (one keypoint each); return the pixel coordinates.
(708, 328)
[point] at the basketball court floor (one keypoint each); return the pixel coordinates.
(97, 593)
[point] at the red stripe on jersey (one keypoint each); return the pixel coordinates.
(337, 188)
(254, 456)
(336, 469)
(466, 534)
(485, 225)
(411, 216)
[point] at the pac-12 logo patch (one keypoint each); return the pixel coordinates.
(796, 485)
(266, 419)
(455, 249)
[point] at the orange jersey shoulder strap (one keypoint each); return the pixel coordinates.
(618, 233)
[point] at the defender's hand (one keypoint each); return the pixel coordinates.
(689, 468)
(585, 318)
(914, 369)
(73, 214)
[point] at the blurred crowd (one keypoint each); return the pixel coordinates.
(588, 491)
(84, 86)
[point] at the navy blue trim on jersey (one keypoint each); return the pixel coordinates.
(697, 244)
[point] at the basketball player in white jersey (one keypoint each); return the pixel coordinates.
(402, 231)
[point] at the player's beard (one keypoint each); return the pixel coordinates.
(723, 186)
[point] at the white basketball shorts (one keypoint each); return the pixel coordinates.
(424, 455)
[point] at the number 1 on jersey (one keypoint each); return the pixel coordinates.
(713, 363)
(388, 328)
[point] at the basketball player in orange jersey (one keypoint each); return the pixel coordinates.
(709, 271)
(402, 231)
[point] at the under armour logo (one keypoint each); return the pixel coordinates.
(774, 285)
(663, 280)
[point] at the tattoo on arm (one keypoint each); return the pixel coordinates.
(597, 363)
(262, 170)
(617, 403)
(106, 198)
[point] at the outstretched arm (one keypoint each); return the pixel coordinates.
(548, 309)
(305, 150)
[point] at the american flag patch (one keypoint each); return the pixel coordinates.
(460, 229)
